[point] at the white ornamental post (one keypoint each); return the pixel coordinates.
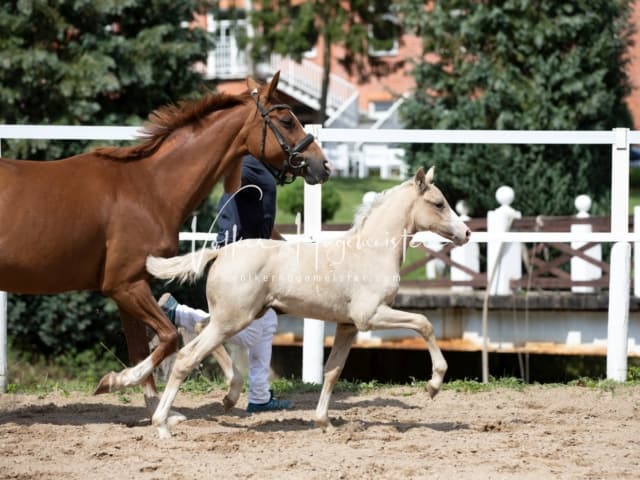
(505, 259)
(581, 270)
(467, 255)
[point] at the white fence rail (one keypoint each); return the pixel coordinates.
(619, 139)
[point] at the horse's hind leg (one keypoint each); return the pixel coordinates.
(137, 308)
(345, 333)
(231, 373)
(386, 317)
(187, 359)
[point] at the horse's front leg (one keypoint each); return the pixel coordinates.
(386, 317)
(345, 333)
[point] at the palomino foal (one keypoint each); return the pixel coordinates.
(351, 280)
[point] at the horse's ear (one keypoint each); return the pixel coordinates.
(421, 181)
(273, 84)
(252, 84)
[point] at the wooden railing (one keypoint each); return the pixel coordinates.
(546, 264)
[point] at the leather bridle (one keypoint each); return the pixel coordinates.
(293, 163)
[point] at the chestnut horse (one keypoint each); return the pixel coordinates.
(351, 280)
(89, 222)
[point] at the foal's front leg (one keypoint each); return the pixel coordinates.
(345, 333)
(386, 317)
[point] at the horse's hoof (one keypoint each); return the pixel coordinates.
(228, 403)
(107, 384)
(433, 391)
(175, 418)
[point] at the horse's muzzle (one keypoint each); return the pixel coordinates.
(316, 171)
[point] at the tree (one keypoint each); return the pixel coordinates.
(291, 200)
(292, 28)
(84, 62)
(519, 64)
(87, 62)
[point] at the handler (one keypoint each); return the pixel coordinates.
(250, 213)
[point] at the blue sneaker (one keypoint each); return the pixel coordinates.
(271, 405)
(168, 304)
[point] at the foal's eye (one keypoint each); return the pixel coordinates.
(439, 205)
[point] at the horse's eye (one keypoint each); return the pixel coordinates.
(439, 205)
(287, 122)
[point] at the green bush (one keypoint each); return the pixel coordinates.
(291, 200)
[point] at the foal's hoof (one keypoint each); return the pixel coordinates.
(433, 391)
(175, 418)
(107, 384)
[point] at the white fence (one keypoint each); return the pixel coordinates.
(619, 139)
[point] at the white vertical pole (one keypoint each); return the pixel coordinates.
(618, 321)
(636, 253)
(313, 337)
(618, 324)
(3, 333)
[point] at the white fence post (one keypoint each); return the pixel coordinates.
(467, 255)
(313, 336)
(620, 270)
(581, 270)
(508, 265)
(618, 323)
(636, 253)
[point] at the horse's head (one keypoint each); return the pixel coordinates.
(432, 212)
(278, 139)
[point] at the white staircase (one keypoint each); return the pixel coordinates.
(303, 81)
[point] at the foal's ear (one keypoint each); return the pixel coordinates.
(421, 181)
(429, 175)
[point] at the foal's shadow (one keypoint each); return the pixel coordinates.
(302, 418)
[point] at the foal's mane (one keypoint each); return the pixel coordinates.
(364, 210)
(167, 119)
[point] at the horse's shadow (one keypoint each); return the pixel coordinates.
(78, 414)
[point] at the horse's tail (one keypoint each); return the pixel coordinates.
(184, 267)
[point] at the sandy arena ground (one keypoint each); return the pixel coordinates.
(395, 433)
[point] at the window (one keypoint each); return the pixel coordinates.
(383, 36)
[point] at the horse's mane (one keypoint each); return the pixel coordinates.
(167, 119)
(365, 209)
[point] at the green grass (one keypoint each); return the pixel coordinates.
(634, 199)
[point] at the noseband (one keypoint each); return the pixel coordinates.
(293, 164)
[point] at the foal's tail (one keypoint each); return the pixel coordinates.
(185, 267)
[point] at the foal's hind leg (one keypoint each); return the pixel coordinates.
(345, 333)
(187, 359)
(386, 317)
(231, 373)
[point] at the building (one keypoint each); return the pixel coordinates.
(363, 101)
